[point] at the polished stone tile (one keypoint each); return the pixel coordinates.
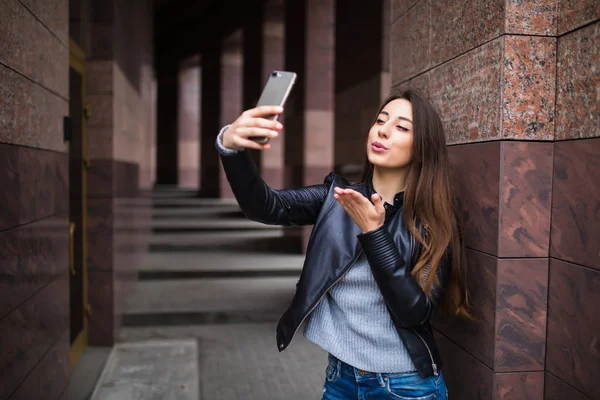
(467, 93)
(101, 34)
(100, 143)
(476, 177)
(31, 257)
(100, 230)
(10, 181)
(521, 306)
(62, 185)
(519, 385)
(410, 43)
(575, 13)
(54, 15)
(29, 48)
(477, 337)
(100, 75)
(126, 179)
(29, 114)
(50, 377)
(399, 7)
(458, 26)
(30, 331)
(531, 17)
(320, 55)
(478, 383)
(102, 107)
(101, 179)
(575, 202)
(152, 370)
(525, 199)
(101, 300)
(578, 80)
(573, 326)
(558, 390)
(529, 88)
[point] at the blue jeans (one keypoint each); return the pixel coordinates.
(348, 383)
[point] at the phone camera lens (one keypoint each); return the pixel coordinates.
(275, 74)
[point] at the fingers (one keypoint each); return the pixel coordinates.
(250, 144)
(252, 132)
(263, 111)
(350, 195)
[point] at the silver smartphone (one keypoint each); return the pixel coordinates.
(275, 93)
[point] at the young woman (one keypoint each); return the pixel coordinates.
(383, 254)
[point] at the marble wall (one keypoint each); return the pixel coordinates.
(516, 84)
(34, 202)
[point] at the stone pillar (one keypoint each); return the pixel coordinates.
(273, 59)
(362, 79)
(295, 51)
(253, 63)
(210, 121)
(166, 124)
(119, 94)
(309, 119)
(188, 146)
(509, 92)
(231, 89)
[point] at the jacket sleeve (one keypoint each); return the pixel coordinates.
(261, 203)
(404, 297)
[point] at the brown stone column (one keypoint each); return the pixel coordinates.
(295, 51)
(119, 86)
(362, 79)
(188, 145)
(231, 89)
(496, 86)
(166, 125)
(309, 118)
(253, 63)
(210, 121)
(273, 59)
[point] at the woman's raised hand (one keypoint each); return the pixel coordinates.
(252, 123)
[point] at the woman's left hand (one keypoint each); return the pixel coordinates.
(365, 215)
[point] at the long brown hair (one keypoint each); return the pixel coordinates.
(429, 203)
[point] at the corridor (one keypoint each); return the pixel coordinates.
(200, 323)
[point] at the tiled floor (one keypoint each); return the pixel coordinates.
(206, 309)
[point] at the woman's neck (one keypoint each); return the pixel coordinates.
(387, 182)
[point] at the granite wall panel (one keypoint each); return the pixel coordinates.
(573, 14)
(31, 331)
(26, 46)
(575, 217)
(573, 326)
(578, 83)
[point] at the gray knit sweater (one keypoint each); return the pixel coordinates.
(352, 321)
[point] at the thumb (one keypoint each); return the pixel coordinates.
(378, 202)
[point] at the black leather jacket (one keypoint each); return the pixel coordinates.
(335, 244)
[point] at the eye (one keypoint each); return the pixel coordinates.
(380, 121)
(402, 128)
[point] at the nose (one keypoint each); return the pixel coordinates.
(384, 131)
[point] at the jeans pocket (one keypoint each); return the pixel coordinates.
(331, 373)
(414, 388)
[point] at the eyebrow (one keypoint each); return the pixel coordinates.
(402, 118)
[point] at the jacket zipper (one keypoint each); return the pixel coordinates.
(325, 292)
(433, 364)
